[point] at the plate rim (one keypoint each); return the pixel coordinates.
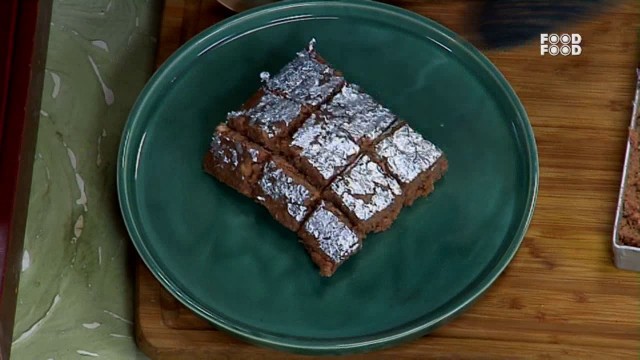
(406, 331)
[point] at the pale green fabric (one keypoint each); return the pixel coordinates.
(75, 298)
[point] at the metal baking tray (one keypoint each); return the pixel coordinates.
(626, 257)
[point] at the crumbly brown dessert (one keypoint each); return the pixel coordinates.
(308, 79)
(321, 149)
(285, 193)
(268, 119)
(368, 195)
(235, 160)
(325, 158)
(629, 231)
(414, 161)
(329, 238)
(359, 114)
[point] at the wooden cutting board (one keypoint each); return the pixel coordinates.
(561, 297)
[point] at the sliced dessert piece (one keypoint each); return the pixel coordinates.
(235, 160)
(367, 194)
(321, 149)
(414, 161)
(329, 238)
(285, 193)
(359, 114)
(268, 119)
(308, 79)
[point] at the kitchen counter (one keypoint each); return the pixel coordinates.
(75, 295)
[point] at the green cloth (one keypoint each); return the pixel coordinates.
(75, 297)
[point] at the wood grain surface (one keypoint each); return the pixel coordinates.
(561, 297)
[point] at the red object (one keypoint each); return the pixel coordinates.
(24, 33)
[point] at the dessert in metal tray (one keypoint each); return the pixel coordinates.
(626, 231)
(326, 159)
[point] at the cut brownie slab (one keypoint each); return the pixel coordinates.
(326, 159)
(308, 79)
(367, 194)
(285, 193)
(414, 161)
(268, 119)
(329, 238)
(321, 149)
(235, 160)
(359, 114)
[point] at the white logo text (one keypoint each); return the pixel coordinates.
(560, 44)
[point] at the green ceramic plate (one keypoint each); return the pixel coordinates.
(226, 259)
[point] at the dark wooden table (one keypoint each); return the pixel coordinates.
(24, 33)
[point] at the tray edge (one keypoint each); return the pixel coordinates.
(626, 257)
